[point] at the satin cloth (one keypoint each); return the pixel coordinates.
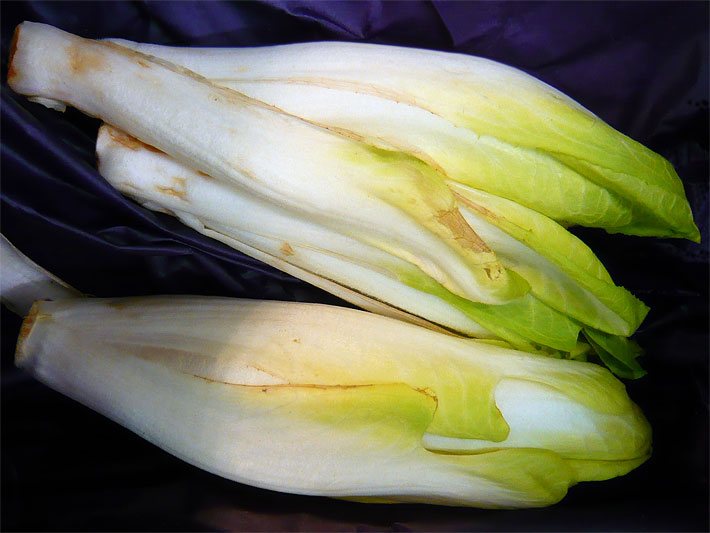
(642, 67)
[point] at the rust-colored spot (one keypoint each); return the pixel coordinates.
(150, 148)
(169, 191)
(26, 328)
(124, 139)
(28, 323)
(11, 72)
(82, 60)
(297, 341)
(203, 174)
(117, 47)
(211, 381)
(428, 392)
(493, 272)
(243, 170)
(461, 231)
(344, 133)
(152, 60)
(129, 142)
(143, 63)
(286, 249)
(178, 190)
(475, 207)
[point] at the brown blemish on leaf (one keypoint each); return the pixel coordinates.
(286, 249)
(317, 386)
(461, 231)
(344, 132)
(475, 207)
(494, 270)
(11, 72)
(428, 392)
(129, 142)
(149, 147)
(203, 174)
(27, 325)
(236, 98)
(277, 386)
(237, 165)
(493, 273)
(146, 60)
(178, 189)
(82, 60)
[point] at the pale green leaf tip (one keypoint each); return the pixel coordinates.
(694, 234)
(686, 230)
(618, 353)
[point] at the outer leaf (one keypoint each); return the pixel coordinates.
(562, 271)
(527, 176)
(618, 353)
(527, 323)
(22, 281)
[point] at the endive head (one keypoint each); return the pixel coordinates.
(320, 400)
(485, 124)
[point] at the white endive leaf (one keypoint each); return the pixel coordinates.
(22, 281)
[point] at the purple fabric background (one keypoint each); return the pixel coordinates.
(641, 66)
